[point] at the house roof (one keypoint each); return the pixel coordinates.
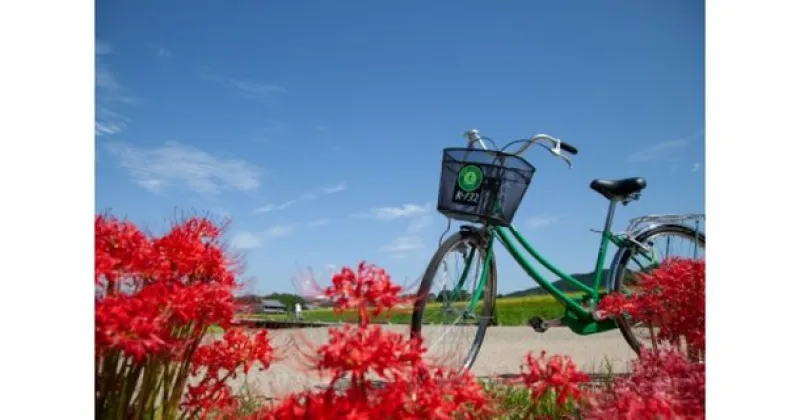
(272, 303)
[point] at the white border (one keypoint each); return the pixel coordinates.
(47, 170)
(752, 116)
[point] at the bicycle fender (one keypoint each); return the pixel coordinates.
(638, 236)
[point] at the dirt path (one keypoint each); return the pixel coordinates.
(502, 353)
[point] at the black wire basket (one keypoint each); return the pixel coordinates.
(482, 186)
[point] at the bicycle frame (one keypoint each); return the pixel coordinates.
(579, 318)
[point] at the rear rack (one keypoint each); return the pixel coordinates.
(657, 219)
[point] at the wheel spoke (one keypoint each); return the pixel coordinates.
(663, 242)
(450, 331)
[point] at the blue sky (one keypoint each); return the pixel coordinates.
(318, 126)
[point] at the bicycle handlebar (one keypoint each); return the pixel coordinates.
(569, 148)
(558, 146)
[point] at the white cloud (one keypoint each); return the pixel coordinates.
(255, 90)
(696, 167)
(278, 231)
(102, 47)
(185, 166)
(663, 148)
(393, 213)
(245, 240)
(248, 88)
(164, 52)
(250, 240)
(538, 222)
(273, 207)
(103, 79)
(323, 221)
(409, 241)
(420, 223)
(108, 122)
(285, 205)
(655, 151)
(341, 186)
(107, 128)
(108, 90)
(107, 87)
(264, 209)
(403, 244)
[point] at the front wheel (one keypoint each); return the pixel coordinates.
(662, 242)
(453, 329)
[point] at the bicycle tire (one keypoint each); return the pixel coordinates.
(472, 237)
(625, 256)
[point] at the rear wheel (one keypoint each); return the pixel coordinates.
(452, 333)
(663, 242)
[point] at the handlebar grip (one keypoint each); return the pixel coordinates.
(569, 148)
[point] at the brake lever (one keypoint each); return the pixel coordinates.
(556, 151)
(569, 162)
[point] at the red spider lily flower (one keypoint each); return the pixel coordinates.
(370, 287)
(156, 297)
(120, 249)
(432, 394)
(219, 362)
(557, 373)
(412, 389)
(437, 393)
(359, 351)
(663, 385)
(672, 297)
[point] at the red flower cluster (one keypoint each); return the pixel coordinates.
(362, 350)
(155, 300)
(158, 296)
(370, 287)
(664, 385)
(410, 389)
(557, 374)
(434, 394)
(671, 297)
(220, 360)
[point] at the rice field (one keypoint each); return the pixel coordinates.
(509, 312)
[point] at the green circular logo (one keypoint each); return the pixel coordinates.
(470, 178)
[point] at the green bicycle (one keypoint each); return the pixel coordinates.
(484, 187)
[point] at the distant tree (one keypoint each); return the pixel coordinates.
(287, 299)
(464, 295)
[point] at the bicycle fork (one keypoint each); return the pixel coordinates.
(475, 298)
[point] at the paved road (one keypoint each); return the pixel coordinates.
(502, 353)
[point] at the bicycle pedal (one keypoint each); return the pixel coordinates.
(541, 325)
(538, 324)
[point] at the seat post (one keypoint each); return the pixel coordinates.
(612, 206)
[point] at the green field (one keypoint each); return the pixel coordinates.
(509, 311)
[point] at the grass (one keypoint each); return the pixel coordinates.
(514, 402)
(509, 312)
